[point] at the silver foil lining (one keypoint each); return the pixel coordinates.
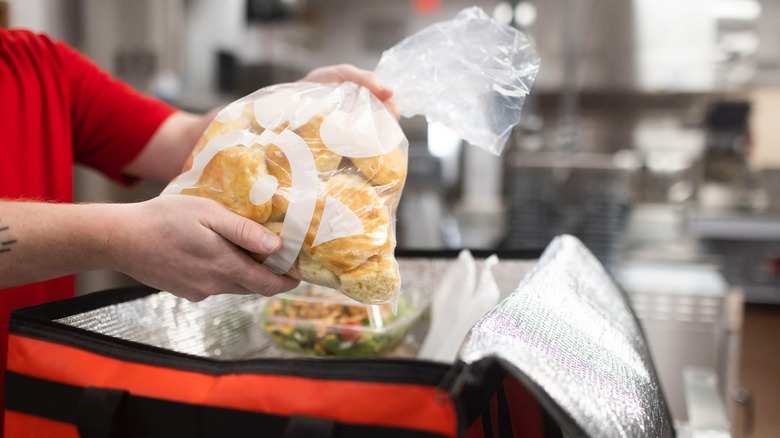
(569, 328)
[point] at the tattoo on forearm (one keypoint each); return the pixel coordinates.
(5, 245)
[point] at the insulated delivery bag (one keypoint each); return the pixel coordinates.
(562, 355)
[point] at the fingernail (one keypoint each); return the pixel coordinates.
(269, 242)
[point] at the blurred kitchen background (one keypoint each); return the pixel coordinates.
(652, 133)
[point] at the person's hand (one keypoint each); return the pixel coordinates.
(346, 72)
(194, 247)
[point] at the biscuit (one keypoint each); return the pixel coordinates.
(375, 281)
(347, 253)
(327, 163)
(216, 128)
(228, 179)
(315, 272)
(387, 172)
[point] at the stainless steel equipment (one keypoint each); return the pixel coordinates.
(584, 194)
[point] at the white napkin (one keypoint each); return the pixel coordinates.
(459, 302)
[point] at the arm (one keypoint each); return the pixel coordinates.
(186, 245)
(192, 247)
(167, 150)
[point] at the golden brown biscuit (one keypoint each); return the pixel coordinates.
(274, 227)
(326, 160)
(387, 172)
(347, 253)
(327, 163)
(375, 281)
(228, 179)
(314, 272)
(216, 128)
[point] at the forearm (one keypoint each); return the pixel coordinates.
(190, 246)
(40, 241)
(166, 152)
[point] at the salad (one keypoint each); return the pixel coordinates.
(323, 322)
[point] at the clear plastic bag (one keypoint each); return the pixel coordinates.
(471, 74)
(323, 165)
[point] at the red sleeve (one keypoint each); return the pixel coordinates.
(111, 122)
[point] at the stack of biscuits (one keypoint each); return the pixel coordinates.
(360, 263)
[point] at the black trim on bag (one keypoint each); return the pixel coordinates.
(36, 322)
(564, 422)
(149, 417)
(483, 379)
(487, 422)
(72, 306)
(503, 415)
(476, 387)
(449, 382)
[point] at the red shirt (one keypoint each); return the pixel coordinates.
(57, 108)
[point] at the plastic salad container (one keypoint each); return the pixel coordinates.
(320, 321)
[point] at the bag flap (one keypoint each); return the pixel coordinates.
(569, 335)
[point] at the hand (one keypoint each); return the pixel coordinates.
(346, 72)
(194, 247)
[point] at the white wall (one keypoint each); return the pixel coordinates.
(38, 15)
(58, 18)
(675, 45)
(210, 25)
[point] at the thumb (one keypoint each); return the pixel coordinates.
(246, 233)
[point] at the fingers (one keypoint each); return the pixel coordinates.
(366, 79)
(244, 232)
(347, 72)
(248, 275)
(200, 249)
(393, 108)
(372, 82)
(244, 277)
(256, 279)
